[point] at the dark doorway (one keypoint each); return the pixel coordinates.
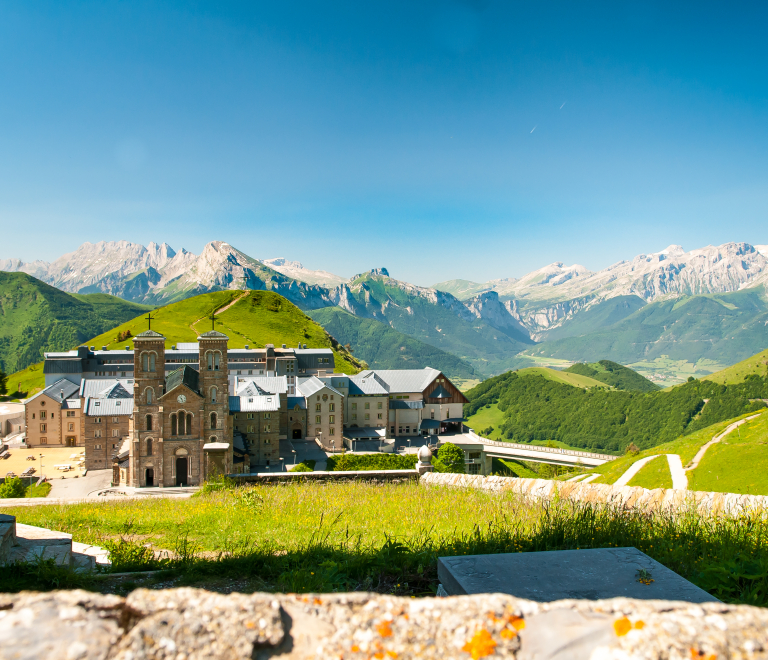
(297, 434)
(181, 471)
(71, 442)
(150, 477)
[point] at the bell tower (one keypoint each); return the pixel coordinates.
(214, 388)
(148, 387)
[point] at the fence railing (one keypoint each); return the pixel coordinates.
(549, 450)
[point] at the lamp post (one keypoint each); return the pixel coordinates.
(42, 473)
(294, 456)
(282, 464)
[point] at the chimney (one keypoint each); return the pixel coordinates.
(103, 348)
(284, 346)
(127, 348)
(246, 347)
(93, 348)
(62, 395)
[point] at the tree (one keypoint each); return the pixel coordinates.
(450, 458)
(3, 383)
(13, 487)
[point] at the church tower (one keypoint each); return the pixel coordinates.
(149, 381)
(214, 388)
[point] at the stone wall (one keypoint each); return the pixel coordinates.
(356, 475)
(192, 624)
(629, 496)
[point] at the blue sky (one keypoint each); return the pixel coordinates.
(442, 140)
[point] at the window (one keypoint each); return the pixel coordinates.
(214, 421)
(317, 419)
(149, 395)
(214, 361)
(332, 431)
(71, 427)
(354, 406)
(381, 416)
(115, 433)
(214, 394)
(189, 424)
(97, 446)
(33, 415)
(43, 428)
(317, 407)
(249, 429)
(432, 414)
(148, 361)
(267, 428)
(42, 414)
(149, 446)
(331, 419)
(53, 414)
(367, 405)
(97, 434)
(367, 416)
(43, 441)
(98, 420)
(392, 430)
(267, 441)
(249, 416)
(354, 416)
(70, 413)
(331, 407)
(267, 415)
(148, 423)
(174, 425)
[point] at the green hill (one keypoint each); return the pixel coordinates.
(438, 320)
(616, 375)
(575, 379)
(255, 318)
(531, 408)
(737, 373)
(36, 317)
(721, 329)
(383, 347)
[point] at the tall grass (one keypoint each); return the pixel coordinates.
(303, 537)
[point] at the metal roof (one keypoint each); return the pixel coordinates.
(299, 401)
(213, 334)
(369, 384)
(184, 376)
(74, 366)
(400, 404)
(365, 432)
(403, 380)
(108, 407)
(271, 384)
(430, 423)
(70, 404)
(149, 334)
(54, 391)
(263, 403)
(188, 346)
(107, 388)
(312, 385)
(313, 351)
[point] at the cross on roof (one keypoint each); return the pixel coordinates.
(149, 318)
(212, 317)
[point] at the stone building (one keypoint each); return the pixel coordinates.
(52, 416)
(324, 411)
(107, 419)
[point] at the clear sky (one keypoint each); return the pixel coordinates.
(442, 140)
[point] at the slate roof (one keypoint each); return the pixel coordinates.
(97, 407)
(213, 334)
(299, 401)
(149, 334)
(107, 388)
(186, 375)
(63, 366)
(400, 381)
(369, 384)
(271, 384)
(54, 391)
(309, 386)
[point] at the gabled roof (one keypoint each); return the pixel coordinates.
(439, 393)
(271, 384)
(403, 380)
(213, 334)
(309, 386)
(186, 375)
(299, 401)
(63, 366)
(97, 407)
(367, 384)
(54, 391)
(107, 388)
(263, 403)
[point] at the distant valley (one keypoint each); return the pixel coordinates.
(668, 314)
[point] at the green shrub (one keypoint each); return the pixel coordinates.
(301, 467)
(12, 488)
(450, 458)
(39, 491)
(349, 462)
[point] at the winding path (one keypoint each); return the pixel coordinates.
(679, 477)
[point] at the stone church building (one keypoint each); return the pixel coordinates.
(181, 432)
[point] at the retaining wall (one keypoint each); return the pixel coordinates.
(395, 476)
(628, 496)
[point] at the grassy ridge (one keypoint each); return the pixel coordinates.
(36, 317)
(566, 377)
(737, 373)
(654, 474)
(615, 375)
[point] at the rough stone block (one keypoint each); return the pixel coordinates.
(593, 574)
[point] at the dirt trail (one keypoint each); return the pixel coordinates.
(220, 310)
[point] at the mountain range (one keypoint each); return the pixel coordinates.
(703, 308)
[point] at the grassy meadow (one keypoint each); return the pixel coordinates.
(315, 537)
(654, 474)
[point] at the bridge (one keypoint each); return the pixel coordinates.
(534, 453)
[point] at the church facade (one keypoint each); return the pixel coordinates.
(181, 431)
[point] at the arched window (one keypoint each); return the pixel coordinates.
(149, 422)
(214, 360)
(189, 423)
(174, 425)
(151, 361)
(212, 439)
(209, 357)
(182, 423)
(149, 446)
(149, 395)
(213, 420)
(214, 394)
(148, 361)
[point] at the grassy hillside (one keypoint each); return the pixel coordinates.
(737, 373)
(487, 349)
(722, 329)
(255, 318)
(615, 375)
(536, 409)
(565, 377)
(383, 347)
(36, 317)
(654, 474)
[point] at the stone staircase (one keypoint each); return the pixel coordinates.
(25, 543)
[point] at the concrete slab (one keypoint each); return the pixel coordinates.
(584, 574)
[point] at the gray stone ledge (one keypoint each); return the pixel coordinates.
(336, 475)
(192, 624)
